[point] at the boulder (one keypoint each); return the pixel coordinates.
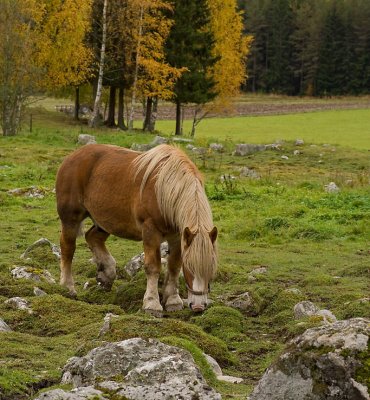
(4, 327)
(137, 262)
(242, 302)
(249, 173)
(134, 369)
(86, 139)
(305, 309)
(218, 147)
(245, 149)
(43, 242)
(18, 303)
(299, 142)
(324, 363)
(32, 273)
(332, 188)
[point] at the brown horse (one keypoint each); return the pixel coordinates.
(153, 197)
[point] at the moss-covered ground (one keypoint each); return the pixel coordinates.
(308, 239)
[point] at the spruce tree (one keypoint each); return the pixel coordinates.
(189, 45)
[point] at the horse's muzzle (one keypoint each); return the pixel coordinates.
(198, 308)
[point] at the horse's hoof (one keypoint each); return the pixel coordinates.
(154, 313)
(72, 294)
(174, 307)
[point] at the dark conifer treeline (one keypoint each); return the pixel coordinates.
(313, 47)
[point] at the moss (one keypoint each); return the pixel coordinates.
(223, 322)
(285, 301)
(130, 295)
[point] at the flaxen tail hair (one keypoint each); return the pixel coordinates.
(183, 203)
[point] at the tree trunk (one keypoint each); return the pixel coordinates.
(148, 114)
(153, 117)
(134, 85)
(121, 119)
(77, 103)
(95, 116)
(111, 120)
(178, 130)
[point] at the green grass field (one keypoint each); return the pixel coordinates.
(343, 127)
(308, 239)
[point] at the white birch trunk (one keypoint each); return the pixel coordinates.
(130, 121)
(95, 116)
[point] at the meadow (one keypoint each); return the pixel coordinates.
(314, 242)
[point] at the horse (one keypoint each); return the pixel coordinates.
(151, 197)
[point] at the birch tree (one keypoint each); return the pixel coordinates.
(95, 115)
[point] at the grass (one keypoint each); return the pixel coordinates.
(339, 127)
(308, 239)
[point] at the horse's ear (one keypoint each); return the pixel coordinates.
(213, 234)
(188, 236)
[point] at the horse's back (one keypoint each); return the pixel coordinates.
(79, 174)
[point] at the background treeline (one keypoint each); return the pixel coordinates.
(308, 47)
(120, 52)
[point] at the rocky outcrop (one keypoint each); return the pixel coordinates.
(324, 363)
(34, 274)
(134, 369)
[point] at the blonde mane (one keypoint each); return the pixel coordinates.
(183, 203)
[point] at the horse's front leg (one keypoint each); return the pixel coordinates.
(171, 299)
(152, 264)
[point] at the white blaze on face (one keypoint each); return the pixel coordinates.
(198, 302)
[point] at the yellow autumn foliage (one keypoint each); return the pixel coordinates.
(231, 48)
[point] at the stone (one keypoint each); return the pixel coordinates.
(332, 188)
(18, 303)
(82, 393)
(42, 242)
(328, 316)
(285, 157)
(4, 327)
(217, 147)
(249, 173)
(32, 192)
(242, 302)
(32, 273)
(38, 292)
(299, 142)
(305, 309)
(259, 271)
(214, 365)
(106, 324)
(158, 140)
(199, 150)
(138, 369)
(320, 364)
(245, 149)
(84, 139)
(137, 262)
(230, 379)
(296, 152)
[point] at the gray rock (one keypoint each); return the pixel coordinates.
(230, 379)
(249, 173)
(182, 140)
(141, 147)
(242, 302)
(137, 262)
(38, 292)
(214, 365)
(305, 309)
(320, 364)
(199, 150)
(245, 149)
(332, 188)
(296, 152)
(218, 147)
(42, 242)
(82, 393)
(18, 303)
(328, 316)
(106, 324)
(32, 274)
(4, 327)
(158, 140)
(140, 369)
(285, 157)
(86, 139)
(259, 271)
(299, 142)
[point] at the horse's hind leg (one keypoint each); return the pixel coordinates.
(171, 299)
(68, 246)
(105, 263)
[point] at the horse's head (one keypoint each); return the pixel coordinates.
(199, 256)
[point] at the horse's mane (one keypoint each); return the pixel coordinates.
(181, 198)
